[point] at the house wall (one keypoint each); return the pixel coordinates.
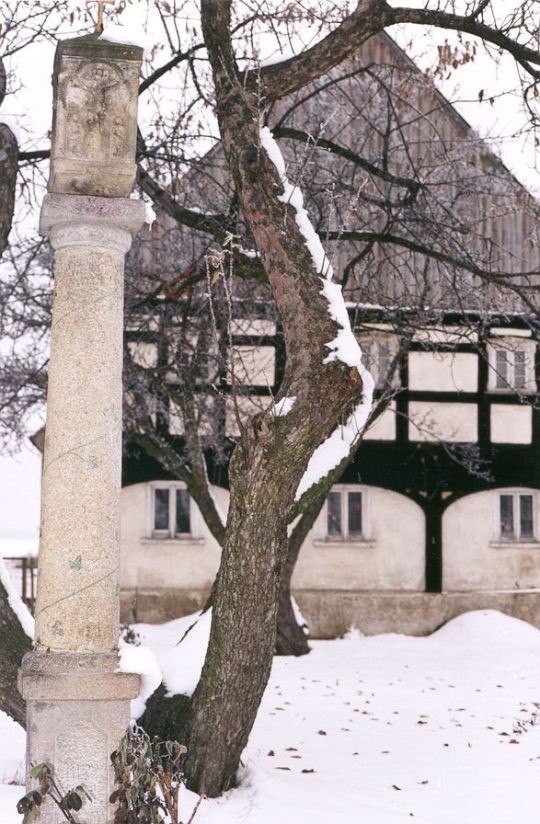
(475, 558)
(450, 422)
(389, 558)
(154, 565)
(443, 371)
(376, 584)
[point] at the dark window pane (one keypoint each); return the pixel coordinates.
(161, 509)
(520, 372)
(355, 513)
(366, 356)
(333, 509)
(526, 525)
(183, 521)
(202, 369)
(501, 368)
(507, 516)
(384, 363)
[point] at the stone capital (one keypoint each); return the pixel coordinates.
(83, 220)
(46, 676)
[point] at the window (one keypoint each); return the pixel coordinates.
(516, 516)
(512, 369)
(171, 511)
(345, 515)
(189, 358)
(377, 358)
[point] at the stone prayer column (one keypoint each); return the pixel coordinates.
(77, 704)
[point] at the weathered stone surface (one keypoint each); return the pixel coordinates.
(61, 677)
(77, 712)
(331, 613)
(95, 89)
(77, 603)
(77, 704)
(154, 606)
(75, 220)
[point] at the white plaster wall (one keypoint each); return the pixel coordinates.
(393, 558)
(157, 563)
(456, 422)
(473, 556)
(511, 423)
(252, 326)
(446, 334)
(244, 406)
(510, 332)
(443, 371)
(144, 354)
(254, 365)
(384, 428)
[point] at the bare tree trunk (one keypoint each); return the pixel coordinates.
(240, 652)
(291, 638)
(14, 643)
(273, 452)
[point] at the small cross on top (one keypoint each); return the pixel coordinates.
(99, 21)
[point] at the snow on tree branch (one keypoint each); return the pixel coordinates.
(344, 347)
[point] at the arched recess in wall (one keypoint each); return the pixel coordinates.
(491, 540)
(388, 555)
(165, 543)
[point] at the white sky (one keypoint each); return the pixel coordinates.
(31, 108)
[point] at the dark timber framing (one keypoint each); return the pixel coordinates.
(432, 474)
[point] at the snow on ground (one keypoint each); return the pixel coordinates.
(181, 665)
(383, 729)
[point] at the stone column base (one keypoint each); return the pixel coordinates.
(77, 712)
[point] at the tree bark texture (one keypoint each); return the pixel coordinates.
(9, 156)
(291, 638)
(14, 643)
(273, 452)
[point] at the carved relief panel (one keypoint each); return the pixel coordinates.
(95, 118)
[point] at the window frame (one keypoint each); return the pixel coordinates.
(345, 538)
(170, 533)
(522, 347)
(516, 539)
(372, 357)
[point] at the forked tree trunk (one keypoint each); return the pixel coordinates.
(291, 638)
(273, 452)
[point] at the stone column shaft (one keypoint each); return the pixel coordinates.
(78, 588)
(77, 704)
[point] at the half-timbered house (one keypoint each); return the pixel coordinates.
(439, 512)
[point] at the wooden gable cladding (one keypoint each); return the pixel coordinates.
(468, 210)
